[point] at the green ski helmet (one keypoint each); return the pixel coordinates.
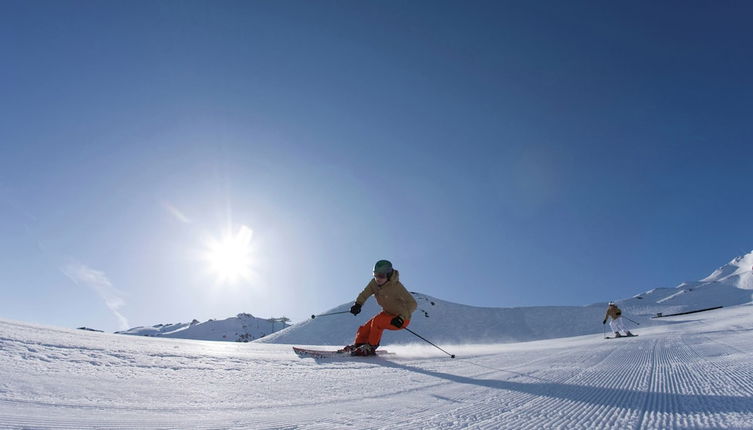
(383, 267)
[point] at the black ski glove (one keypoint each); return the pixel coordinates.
(355, 309)
(604, 322)
(397, 322)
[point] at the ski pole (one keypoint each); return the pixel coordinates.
(421, 337)
(326, 315)
(637, 323)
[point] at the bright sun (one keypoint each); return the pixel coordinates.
(229, 257)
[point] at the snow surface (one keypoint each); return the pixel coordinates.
(681, 372)
(690, 371)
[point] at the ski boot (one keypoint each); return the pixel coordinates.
(350, 348)
(617, 334)
(627, 333)
(364, 350)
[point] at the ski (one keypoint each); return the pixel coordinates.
(317, 353)
(614, 337)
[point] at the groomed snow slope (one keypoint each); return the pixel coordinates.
(693, 371)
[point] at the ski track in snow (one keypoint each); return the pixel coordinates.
(693, 373)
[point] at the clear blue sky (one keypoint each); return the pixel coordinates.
(499, 153)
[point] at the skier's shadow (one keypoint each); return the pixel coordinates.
(614, 397)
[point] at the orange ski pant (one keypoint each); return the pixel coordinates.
(371, 332)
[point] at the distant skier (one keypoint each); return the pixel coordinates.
(397, 307)
(617, 324)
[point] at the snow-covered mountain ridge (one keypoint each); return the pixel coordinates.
(729, 285)
(737, 273)
(241, 328)
(449, 322)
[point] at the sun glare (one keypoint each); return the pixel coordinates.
(229, 257)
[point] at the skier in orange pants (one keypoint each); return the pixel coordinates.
(371, 332)
(397, 307)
